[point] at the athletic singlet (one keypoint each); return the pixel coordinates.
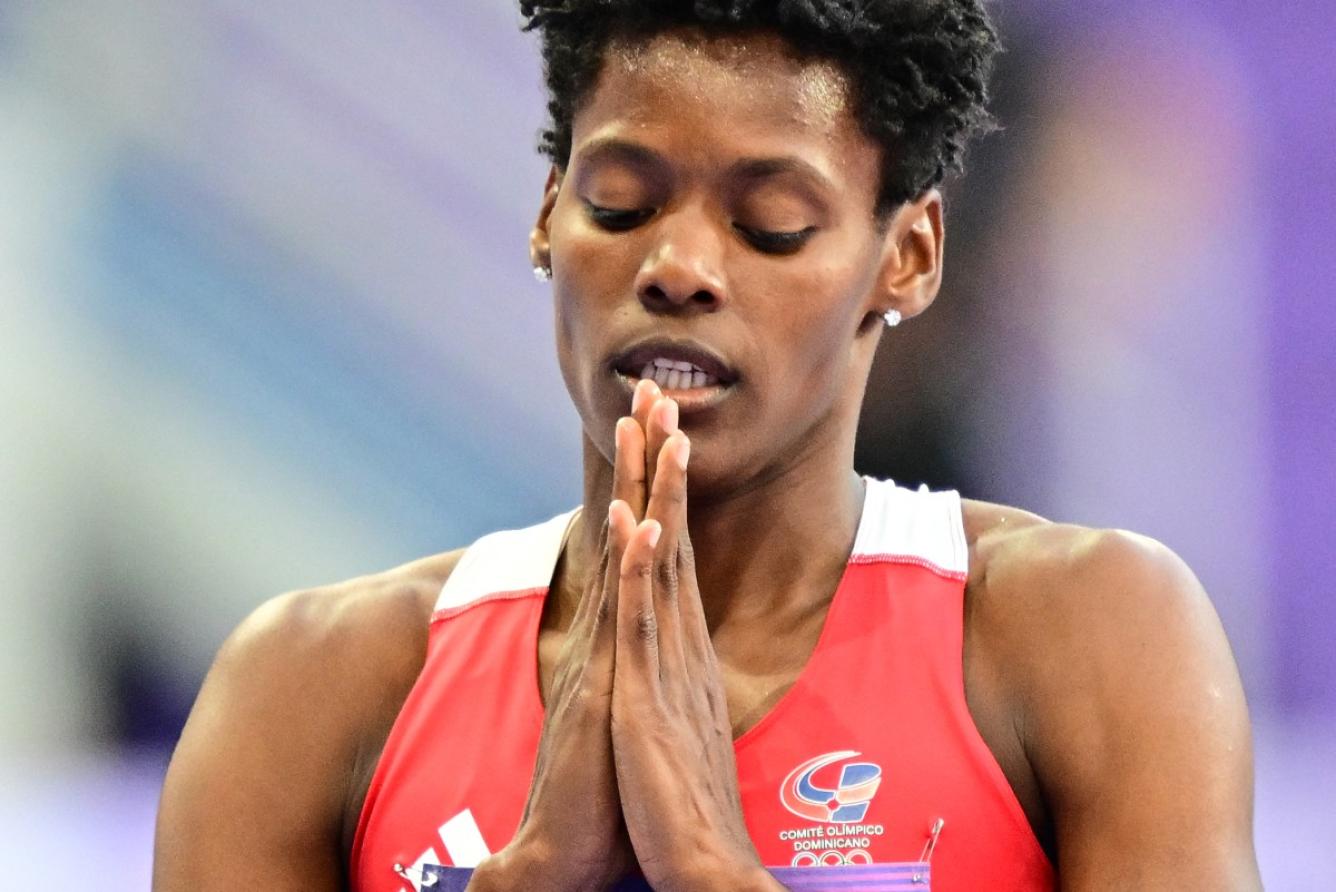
(871, 747)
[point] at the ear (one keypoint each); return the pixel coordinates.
(911, 270)
(540, 242)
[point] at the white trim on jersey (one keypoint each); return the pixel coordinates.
(898, 526)
(509, 561)
(914, 527)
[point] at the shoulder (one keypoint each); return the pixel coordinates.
(349, 627)
(1025, 555)
(339, 658)
(1104, 651)
(1059, 606)
(1048, 586)
(270, 756)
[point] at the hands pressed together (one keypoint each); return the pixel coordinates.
(635, 765)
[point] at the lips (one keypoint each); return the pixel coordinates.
(675, 365)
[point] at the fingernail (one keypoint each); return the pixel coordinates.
(683, 451)
(655, 531)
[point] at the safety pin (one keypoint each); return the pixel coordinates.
(925, 857)
(423, 879)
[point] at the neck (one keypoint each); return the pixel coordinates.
(780, 542)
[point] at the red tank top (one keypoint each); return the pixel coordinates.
(870, 748)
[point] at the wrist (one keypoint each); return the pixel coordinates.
(529, 864)
(726, 875)
(514, 867)
(758, 879)
(489, 875)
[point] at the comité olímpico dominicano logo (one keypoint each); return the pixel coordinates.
(840, 836)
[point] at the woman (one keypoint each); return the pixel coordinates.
(793, 667)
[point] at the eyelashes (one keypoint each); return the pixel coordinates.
(765, 241)
(776, 242)
(615, 220)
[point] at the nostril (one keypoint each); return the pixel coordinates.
(661, 297)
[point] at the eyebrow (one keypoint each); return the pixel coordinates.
(764, 168)
(611, 148)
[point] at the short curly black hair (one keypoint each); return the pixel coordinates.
(918, 69)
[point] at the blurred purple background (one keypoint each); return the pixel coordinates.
(266, 321)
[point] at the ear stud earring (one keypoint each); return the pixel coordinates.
(542, 273)
(893, 318)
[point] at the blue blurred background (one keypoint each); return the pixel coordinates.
(267, 321)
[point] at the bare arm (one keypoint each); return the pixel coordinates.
(258, 794)
(1133, 716)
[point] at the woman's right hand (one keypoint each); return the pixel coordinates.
(572, 835)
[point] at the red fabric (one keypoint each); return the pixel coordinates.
(884, 686)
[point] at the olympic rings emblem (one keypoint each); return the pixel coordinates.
(832, 858)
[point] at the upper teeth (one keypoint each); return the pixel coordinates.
(672, 374)
(674, 364)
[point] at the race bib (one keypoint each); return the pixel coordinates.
(908, 876)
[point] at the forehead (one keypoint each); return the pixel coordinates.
(711, 95)
(758, 68)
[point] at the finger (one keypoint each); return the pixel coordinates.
(621, 526)
(641, 406)
(668, 494)
(662, 424)
(691, 609)
(637, 627)
(593, 589)
(668, 505)
(647, 393)
(629, 483)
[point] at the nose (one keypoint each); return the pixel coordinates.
(683, 271)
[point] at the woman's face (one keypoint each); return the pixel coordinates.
(715, 230)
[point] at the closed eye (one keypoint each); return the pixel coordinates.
(776, 242)
(766, 241)
(617, 220)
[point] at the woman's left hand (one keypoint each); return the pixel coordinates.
(671, 735)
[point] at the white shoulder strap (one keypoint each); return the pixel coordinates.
(509, 561)
(914, 527)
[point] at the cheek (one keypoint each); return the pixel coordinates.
(579, 319)
(822, 309)
(566, 345)
(588, 293)
(590, 277)
(574, 301)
